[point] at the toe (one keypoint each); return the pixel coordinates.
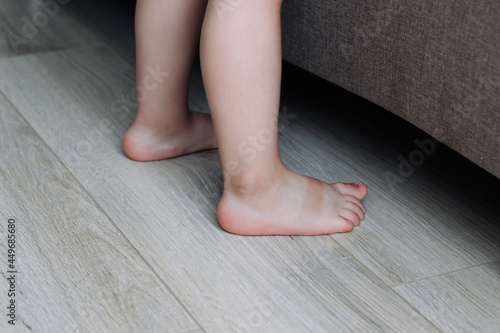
(356, 201)
(345, 225)
(358, 190)
(350, 216)
(356, 209)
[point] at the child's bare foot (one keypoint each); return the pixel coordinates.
(145, 143)
(292, 204)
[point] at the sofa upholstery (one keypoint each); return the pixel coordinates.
(436, 64)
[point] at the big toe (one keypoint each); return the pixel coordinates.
(358, 190)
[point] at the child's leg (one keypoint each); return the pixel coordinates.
(167, 35)
(241, 66)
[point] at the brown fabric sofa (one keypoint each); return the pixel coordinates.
(436, 64)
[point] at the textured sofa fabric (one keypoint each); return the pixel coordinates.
(436, 64)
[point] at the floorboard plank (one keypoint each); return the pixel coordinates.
(463, 301)
(76, 270)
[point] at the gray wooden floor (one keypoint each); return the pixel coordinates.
(105, 244)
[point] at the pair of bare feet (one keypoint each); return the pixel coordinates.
(278, 202)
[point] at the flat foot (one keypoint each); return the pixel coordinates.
(293, 205)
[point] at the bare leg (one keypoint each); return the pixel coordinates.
(241, 66)
(167, 34)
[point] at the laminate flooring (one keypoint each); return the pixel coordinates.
(106, 244)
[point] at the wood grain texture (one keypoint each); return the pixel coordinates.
(167, 210)
(464, 301)
(30, 27)
(76, 270)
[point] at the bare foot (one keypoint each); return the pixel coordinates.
(143, 143)
(292, 204)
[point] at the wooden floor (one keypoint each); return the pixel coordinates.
(105, 244)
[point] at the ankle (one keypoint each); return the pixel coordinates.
(164, 125)
(254, 182)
